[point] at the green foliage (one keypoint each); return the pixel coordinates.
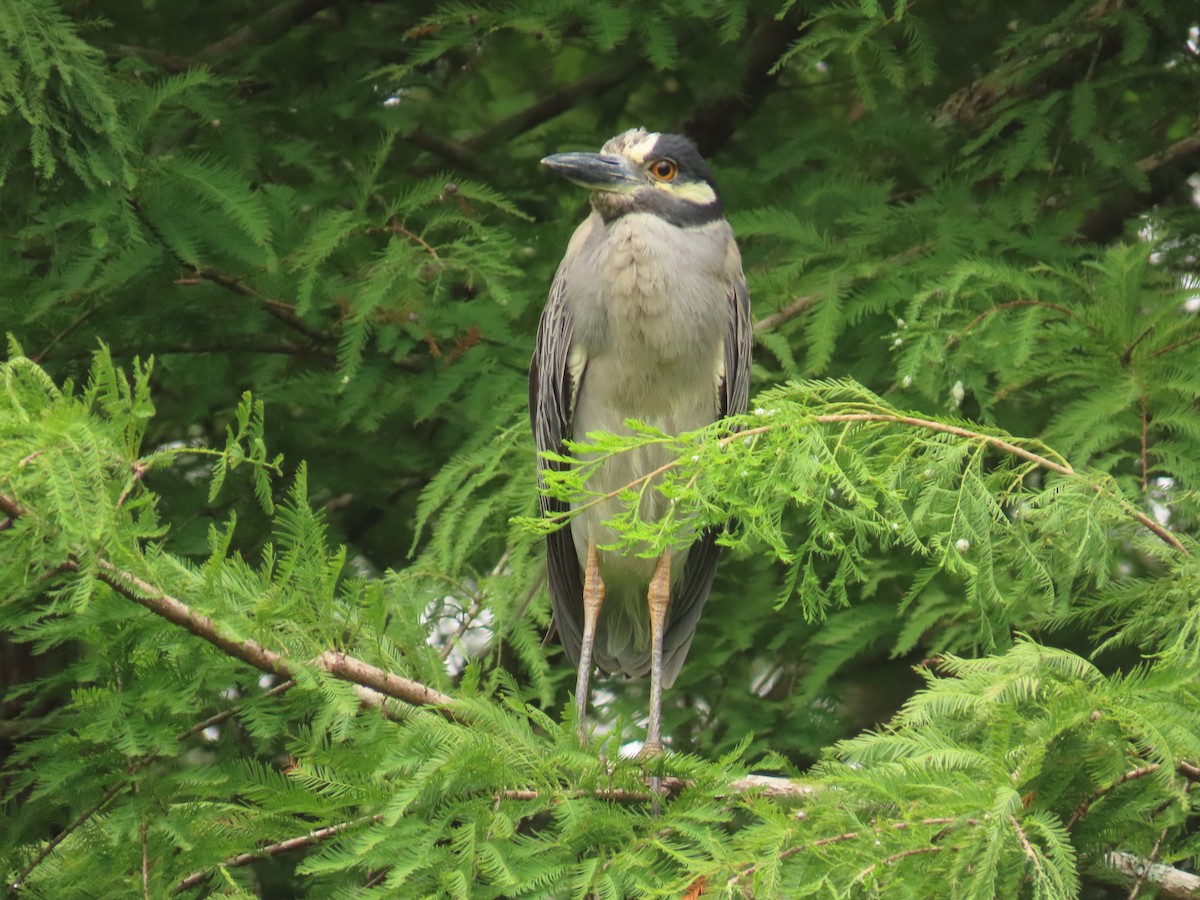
(270, 287)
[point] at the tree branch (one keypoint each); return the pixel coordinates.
(294, 843)
(896, 419)
(803, 304)
(1181, 149)
(793, 309)
(548, 107)
(1167, 170)
(712, 124)
(456, 154)
(943, 823)
(1169, 882)
(274, 22)
(374, 684)
(769, 786)
(284, 312)
(11, 507)
(1084, 806)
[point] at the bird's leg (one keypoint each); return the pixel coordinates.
(593, 597)
(659, 598)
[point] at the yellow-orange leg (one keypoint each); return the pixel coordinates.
(593, 599)
(660, 599)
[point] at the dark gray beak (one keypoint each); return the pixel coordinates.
(596, 171)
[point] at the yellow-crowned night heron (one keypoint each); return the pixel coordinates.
(649, 319)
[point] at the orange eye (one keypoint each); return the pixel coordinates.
(664, 169)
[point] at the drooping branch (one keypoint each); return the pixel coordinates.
(911, 421)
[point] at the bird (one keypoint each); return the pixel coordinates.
(647, 319)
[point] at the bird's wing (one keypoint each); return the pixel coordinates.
(733, 390)
(554, 378)
(733, 395)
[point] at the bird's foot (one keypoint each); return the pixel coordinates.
(651, 754)
(651, 751)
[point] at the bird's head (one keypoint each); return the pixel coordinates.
(642, 171)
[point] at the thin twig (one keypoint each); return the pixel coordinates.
(115, 789)
(284, 312)
(793, 309)
(548, 107)
(139, 470)
(1024, 839)
(220, 717)
(806, 302)
(477, 604)
(1145, 442)
(769, 786)
(1145, 868)
(454, 153)
(895, 857)
(272, 23)
(79, 320)
(284, 846)
(956, 430)
(18, 883)
(1191, 339)
(1082, 809)
(145, 858)
(1014, 304)
(395, 227)
(944, 822)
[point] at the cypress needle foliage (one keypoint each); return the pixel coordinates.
(272, 606)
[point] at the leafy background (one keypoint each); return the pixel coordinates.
(325, 224)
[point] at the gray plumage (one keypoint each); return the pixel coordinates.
(648, 318)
